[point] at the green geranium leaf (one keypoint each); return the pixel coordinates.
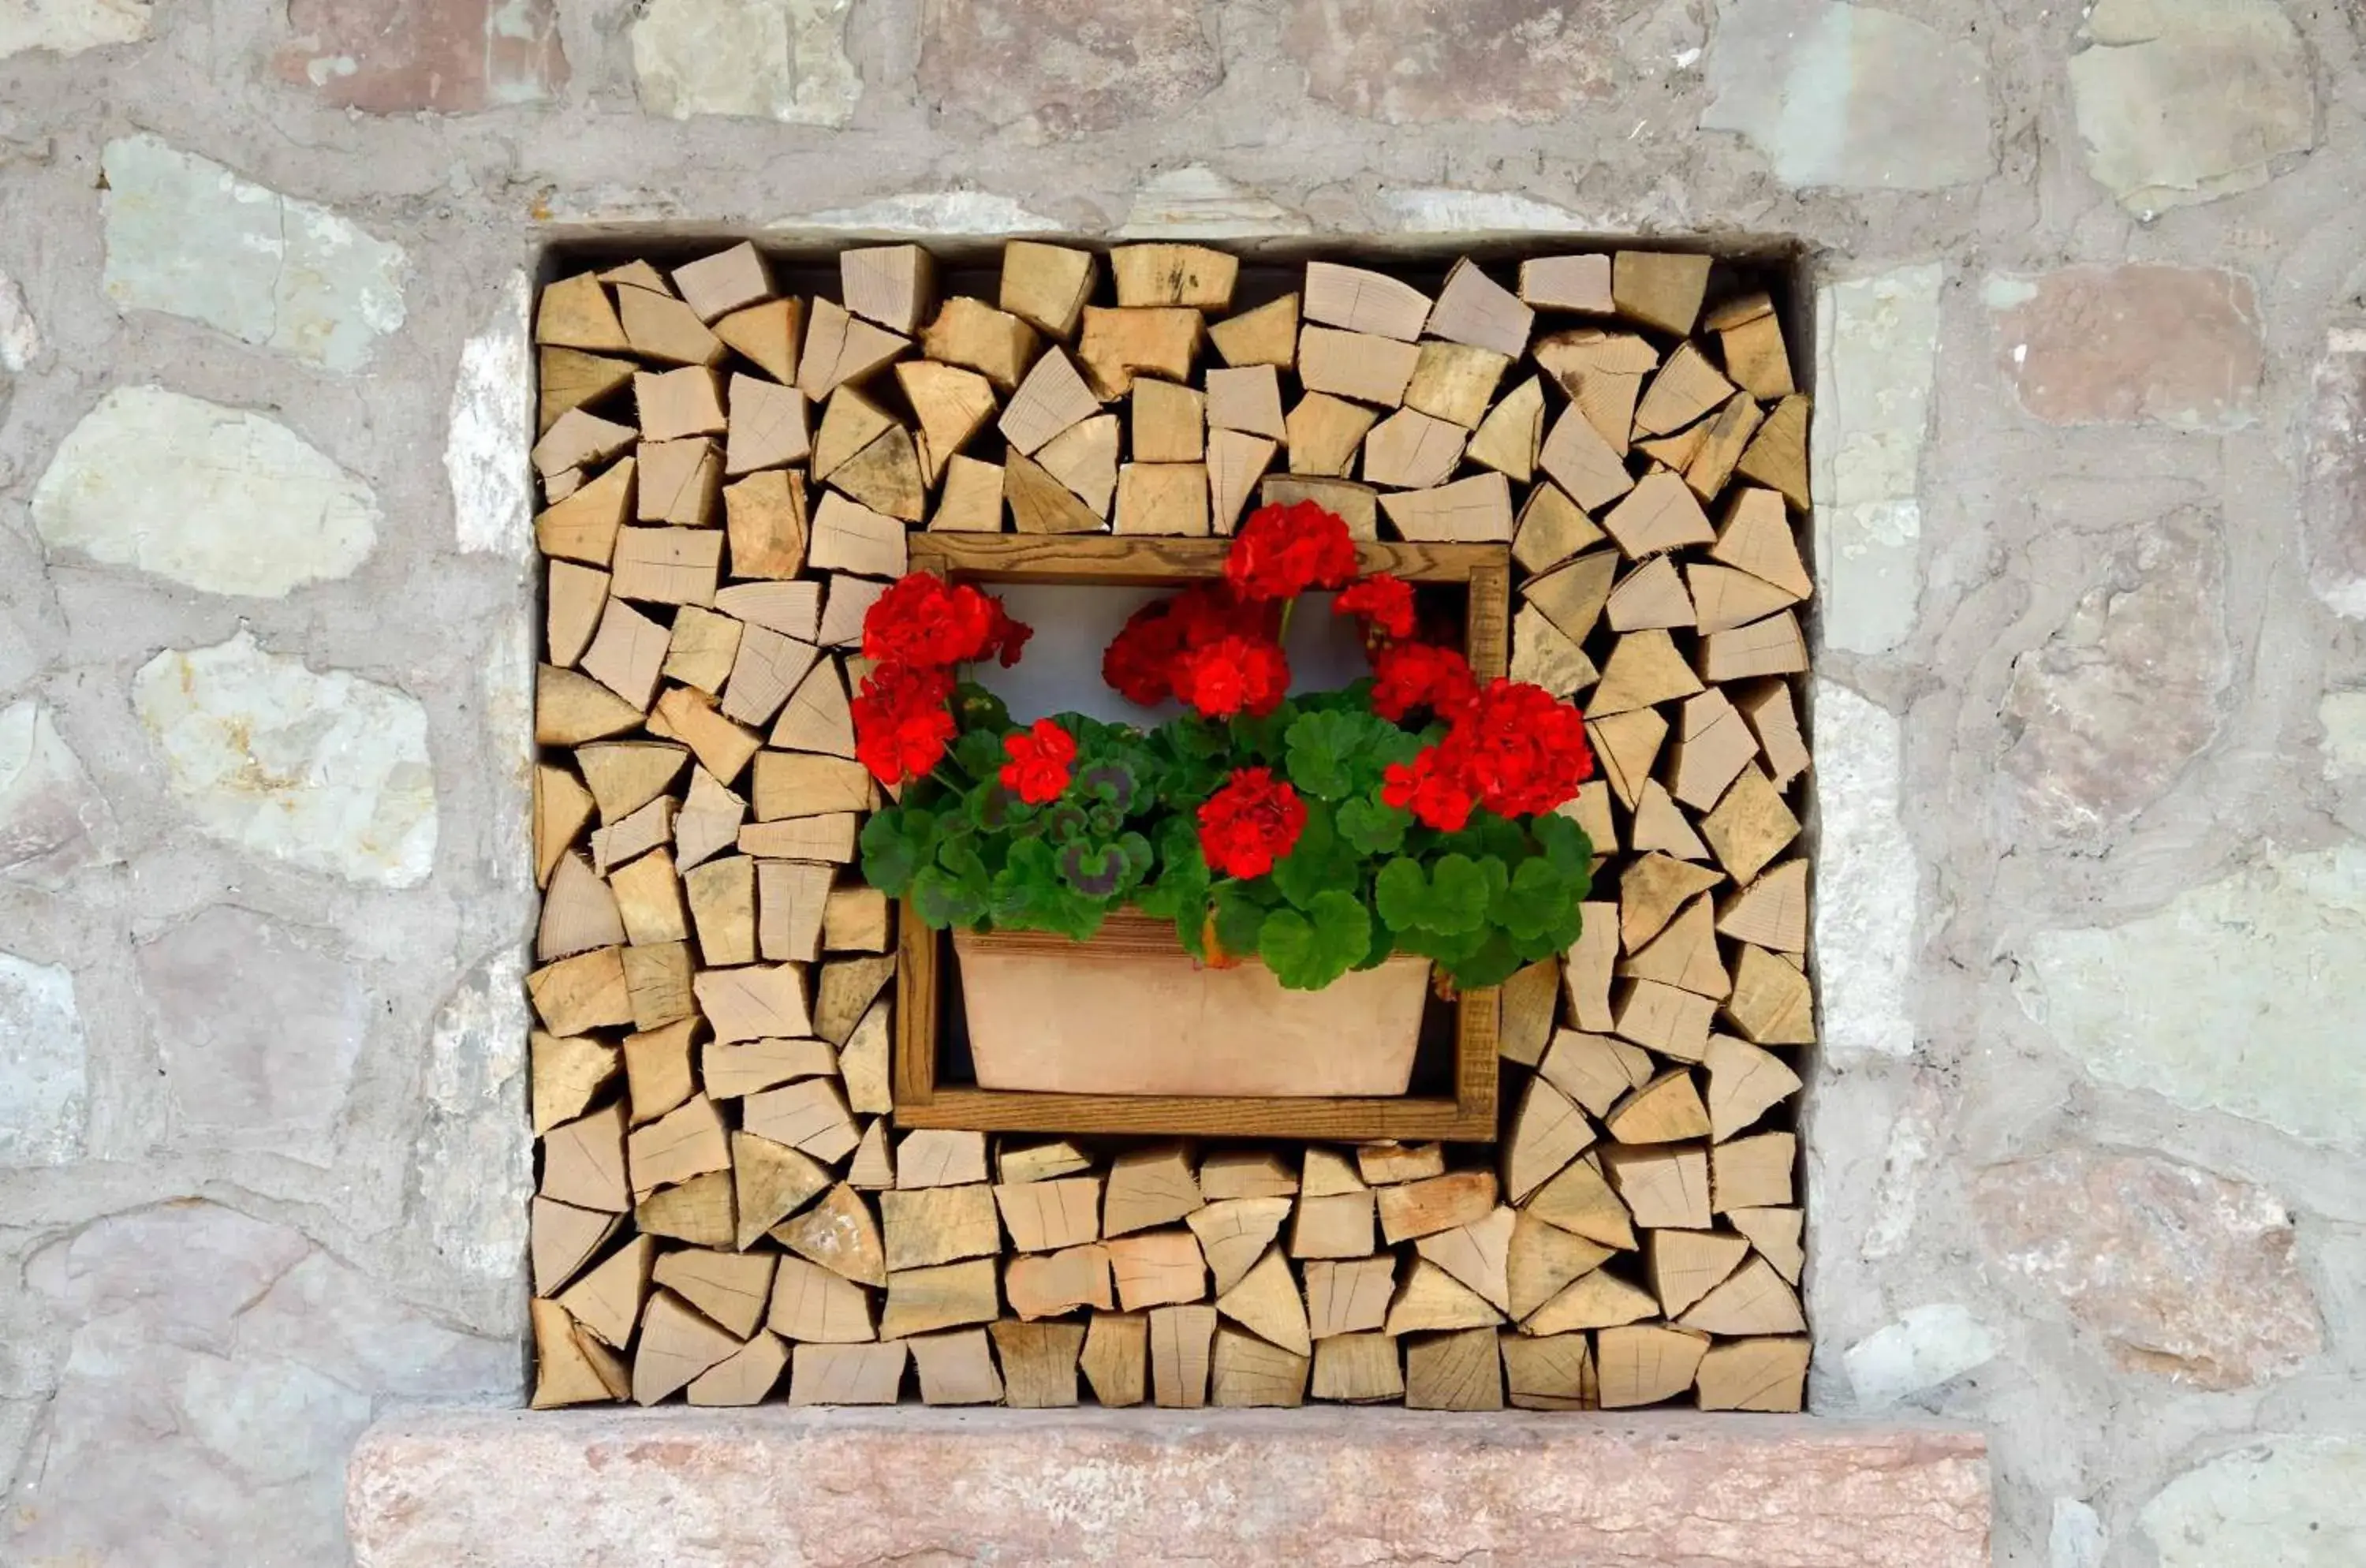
(1371, 829)
(1100, 871)
(1564, 843)
(1308, 952)
(974, 707)
(1536, 898)
(1451, 900)
(1111, 783)
(1239, 916)
(1063, 820)
(1321, 745)
(1318, 863)
(942, 898)
(896, 843)
(979, 753)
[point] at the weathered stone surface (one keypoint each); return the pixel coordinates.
(186, 236)
(1196, 203)
(443, 56)
(2075, 1537)
(222, 498)
(921, 213)
(1405, 61)
(2183, 1272)
(1928, 1347)
(69, 27)
(2343, 714)
(475, 1152)
(1869, 883)
(44, 1066)
(232, 1364)
(1850, 95)
(1431, 209)
(52, 821)
(327, 771)
(258, 1027)
(489, 429)
(2120, 344)
(2182, 101)
(782, 60)
(2240, 995)
(2333, 482)
(2104, 716)
(1876, 355)
(21, 336)
(513, 1490)
(2286, 1502)
(1065, 67)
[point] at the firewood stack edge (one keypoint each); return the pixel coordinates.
(725, 1207)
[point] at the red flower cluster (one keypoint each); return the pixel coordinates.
(1513, 748)
(1410, 675)
(1151, 659)
(917, 632)
(1281, 551)
(901, 723)
(923, 620)
(1233, 674)
(1038, 770)
(1250, 823)
(1383, 602)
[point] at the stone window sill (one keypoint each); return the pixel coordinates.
(1315, 1486)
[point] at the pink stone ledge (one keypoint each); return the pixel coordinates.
(911, 1486)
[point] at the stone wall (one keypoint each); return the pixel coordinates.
(2089, 1129)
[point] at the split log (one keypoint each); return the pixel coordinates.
(1045, 1284)
(1235, 463)
(1752, 1172)
(1687, 1265)
(676, 1345)
(580, 439)
(1474, 308)
(811, 1115)
(1195, 275)
(1772, 911)
(1685, 954)
(1364, 302)
(1454, 1371)
(1360, 1369)
(849, 986)
(1750, 338)
(1180, 1343)
(1233, 1233)
(1542, 656)
(956, 1367)
(1772, 647)
(792, 899)
(1750, 826)
(940, 1156)
(1355, 504)
(1586, 967)
(951, 405)
(1148, 1187)
(744, 1377)
(1017, 1163)
(574, 312)
(700, 1211)
(846, 1375)
(972, 498)
(1156, 1267)
(1567, 283)
(1576, 458)
(1662, 1185)
(1582, 1201)
(1380, 1165)
(1046, 286)
(1246, 398)
(571, 1366)
(892, 285)
(938, 1224)
(1744, 1083)
(1356, 364)
(1170, 422)
(1644, 669)
(1476, 1254)
(828, 839)
(768, 335)
(1410, 450)
(1651, 891)
(1053, 398)
(1776, 1233)
(1668, 1018)
(1039, 1363)
(721, 746)
(1116, 1359)
(732, 1288)
(1508, 439)
(1265, 1300)
(1170, 499)
(770, 425)
(1477, 510)
(656, 1070)
(1159, 340)
(792, 609)
(607, 1302)
(1595, 1070)
(1526, 1003)
(1573, 595)
(579, 912)
(563, 1239)
(1596, 1300)
(1242, 1173)
(813, 1304)
(1552, 1373)
(583, 1162)
(1266, 335)
(570, 379)
(687, 1140)
(1084, 459)
(1430, 1298)
(728, 280)
(1686, 386)
(1660, 828)
(1249, 1372)
(1725, 435)
(850, 422)
(770, 1181)
(701, 649)
(662, 328)
(1324, 433)
(1659, 513)
(1644, 1364)
(675, 404)
(1659, 288)
(626, 654)
(1547, 1133)
(1350, 1296)
(1328, 1172)
(858, 919)
(1777, 455)
(873, 1169)
(841, 349)
(755, 1001)
(561, 808)
(1650, 597)
(1753, 1374)
(1542, 1260)
(648, 899)
(1042, 505)
(657, 980)
(951, 1295)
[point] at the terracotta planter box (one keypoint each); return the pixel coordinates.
(1130, 1012)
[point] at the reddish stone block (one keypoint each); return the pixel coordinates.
(1072, 66)
(443, 56)
(1411, 60)
(2123, 344)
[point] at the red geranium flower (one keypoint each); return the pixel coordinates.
(1233, 674)
(1038, 770)
(921, 620)
(901, 722)
(1281, 551)
(1409, 675)
(1382, 601)
(1141, 662)
(1518, 749)
(1435, 799)
(1250, 823)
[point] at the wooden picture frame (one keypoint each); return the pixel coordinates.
(1466, 1115)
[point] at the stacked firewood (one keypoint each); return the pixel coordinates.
(730, 474)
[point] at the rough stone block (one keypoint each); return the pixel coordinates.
(1926, 1349)
(1876, 358)
(782, 60)
(513, 1489)
(69, 27)
(1851, 96)
(2287, 1501)
(54, 822)
(44, 1064)
(1408, 62)
(1067, 67)
(2333, 483)
(2122, 345)
(440, 56)
(1869, 883)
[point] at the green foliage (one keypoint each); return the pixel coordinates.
(1363, 880)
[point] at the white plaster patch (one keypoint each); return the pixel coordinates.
(328, 771)
(44, 1066)
(69, 27)
(1869, 884)
(2285, 1502)
(475, 1152)
(1196, 203)
(186, 236)
(20, 338)
(1851, 97)
(52, 821)
(2343, 714)
(782, 60)
(489, 430)
(1927, 1347)
(1877, 357)
(1423, 211)
(2240, 995)
(221, 499)
(1896, 1198)
(2075, 1538)
(926, 212)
